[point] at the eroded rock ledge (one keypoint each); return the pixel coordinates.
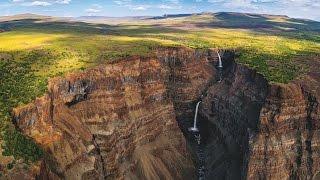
(126, 120)
(118, 121)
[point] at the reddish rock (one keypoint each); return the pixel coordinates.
(118, 121)
(257, 130)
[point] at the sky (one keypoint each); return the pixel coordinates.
(308, 9)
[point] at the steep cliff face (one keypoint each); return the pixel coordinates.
(254, 130)
(230, 109)
(114, 121)
(126, 120)
(191, 73)
(287, 143)
(118, 121)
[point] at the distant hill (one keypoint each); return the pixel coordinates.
(107, 17)
(205, 19)
(220, 19)
(23, 16)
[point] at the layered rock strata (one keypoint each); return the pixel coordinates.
(286, 146)
(257, 130)
(118, 121)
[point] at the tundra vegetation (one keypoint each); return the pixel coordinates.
(34, 50)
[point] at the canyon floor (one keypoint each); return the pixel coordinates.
(113, 98)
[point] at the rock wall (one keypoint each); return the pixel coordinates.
(288, 141)
(257, 130)
(230, 109)
(287, 144)
(191, 74)
(118, 121)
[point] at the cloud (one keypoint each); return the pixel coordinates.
(91, 10)
(63, 1)
(94, 9)
(167, 4)
(173, 1)
(39, 2)
(164, 6)
(139, 7)
(235, 4)
(129, 4)
(122, 2)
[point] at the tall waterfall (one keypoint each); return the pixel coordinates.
(220, 67)
(220, 60)
(199, 147)
(194, 128)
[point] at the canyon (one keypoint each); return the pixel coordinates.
(129, 120)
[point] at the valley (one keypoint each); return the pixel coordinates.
(91, 99)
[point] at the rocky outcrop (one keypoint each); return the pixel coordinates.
(257, 130)
(229, 110)
(114, 121)
(287, 143)
(118, 121)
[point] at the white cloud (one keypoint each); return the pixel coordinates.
(94, 9)
(122, 2)
(167, 4)
(218, 1)
(63, 1)
(39, 2)
(91, 10)
(173, 1)
(139, 8)
(164, 6)
(129, 4)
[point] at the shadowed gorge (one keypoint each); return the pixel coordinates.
(184, 96)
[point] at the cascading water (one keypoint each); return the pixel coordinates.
(220, 67)
(220, 61)
(194, 128)
(199, 149)
(196, 132)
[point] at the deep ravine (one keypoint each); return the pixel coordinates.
(130, 120)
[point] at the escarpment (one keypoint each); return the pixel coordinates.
(130, 120)
(257, 130)
(117, 121)
(231, 110)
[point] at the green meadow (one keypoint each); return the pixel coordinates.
(32, 51)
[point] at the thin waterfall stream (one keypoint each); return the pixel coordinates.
(220, 66)
(199, 149)
(196, 132)
(194, 128)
